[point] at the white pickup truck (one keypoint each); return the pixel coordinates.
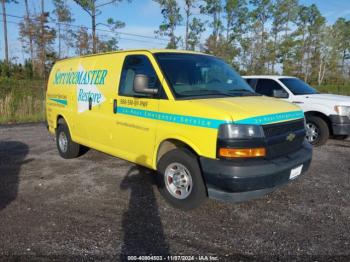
(326, 114)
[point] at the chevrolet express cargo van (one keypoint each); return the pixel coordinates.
(187, 115)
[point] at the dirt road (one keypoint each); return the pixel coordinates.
(99, 207)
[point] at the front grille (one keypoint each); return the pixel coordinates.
(276, 137)
(283, 128)
(284, 148)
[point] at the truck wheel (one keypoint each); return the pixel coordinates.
(180, 179)
(317, 131)
(66, 147)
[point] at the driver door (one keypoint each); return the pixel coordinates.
(135, 121)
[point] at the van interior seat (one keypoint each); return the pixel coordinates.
(129, 82)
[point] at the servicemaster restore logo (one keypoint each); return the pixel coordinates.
(81, 77)
(87, 90)
(87, 82)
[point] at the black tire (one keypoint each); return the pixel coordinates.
(197, 194)
(72, 149)
(323, 130)
(83, 150)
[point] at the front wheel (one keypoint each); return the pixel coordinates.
(180, 179)
(317, 131)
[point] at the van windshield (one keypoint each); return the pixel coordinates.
(192, 76)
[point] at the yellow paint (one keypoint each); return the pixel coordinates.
(131, 137)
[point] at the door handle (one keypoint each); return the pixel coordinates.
(115, 106)
(90, 103)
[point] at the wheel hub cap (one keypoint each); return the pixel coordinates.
(63, 142)
(178, 181)
(312, 132)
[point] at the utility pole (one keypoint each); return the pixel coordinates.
(42, 51)
(5, 32)
(188, 14)
(30, 31)
(93, 20)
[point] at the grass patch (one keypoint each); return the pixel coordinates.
(335, 89)
(21, 101)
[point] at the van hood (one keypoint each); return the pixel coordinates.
(337, 99)
(253, 109)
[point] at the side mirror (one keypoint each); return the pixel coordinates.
(141, 85)
(278, 93)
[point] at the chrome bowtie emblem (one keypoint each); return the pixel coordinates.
(291, 137)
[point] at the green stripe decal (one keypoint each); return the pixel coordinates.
(207, 122)
(268, 119)
(60, 101)
(179, 119)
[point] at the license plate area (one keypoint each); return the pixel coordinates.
(295, 172)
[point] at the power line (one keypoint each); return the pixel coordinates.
(97, 29)
(135, 40)
(121, 38)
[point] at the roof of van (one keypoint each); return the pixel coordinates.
(153, 51)
(268, 76)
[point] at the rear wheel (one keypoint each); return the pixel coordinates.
(317, 131)
(180, 179)
(66, 147)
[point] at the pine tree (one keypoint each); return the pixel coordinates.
(64, 19)
(93, 9)
(171, 19)
(196, 28)
(4, 17)
(189, 5)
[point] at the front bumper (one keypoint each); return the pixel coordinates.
(236, 181)
(340, 124)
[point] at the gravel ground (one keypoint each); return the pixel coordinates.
(98, 207)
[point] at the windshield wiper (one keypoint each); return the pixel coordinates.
(245, 91)
(229, 93)
(206, 92)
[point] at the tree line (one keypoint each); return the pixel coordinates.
(255, 36)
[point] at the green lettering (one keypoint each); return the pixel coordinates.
(66, 77)
(72, 80)
(69, 77)
(79, 75)
(89, 77)
(84, 78)
(57, 78)
(93, 76)
(97, 77)
(76, 78)
(103, 76)
(63, 78)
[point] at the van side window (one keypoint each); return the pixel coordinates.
(267, 86)
(133, 65)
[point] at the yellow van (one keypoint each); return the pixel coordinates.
(187, 115)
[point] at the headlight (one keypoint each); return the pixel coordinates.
(232, 131)
(342, 110)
